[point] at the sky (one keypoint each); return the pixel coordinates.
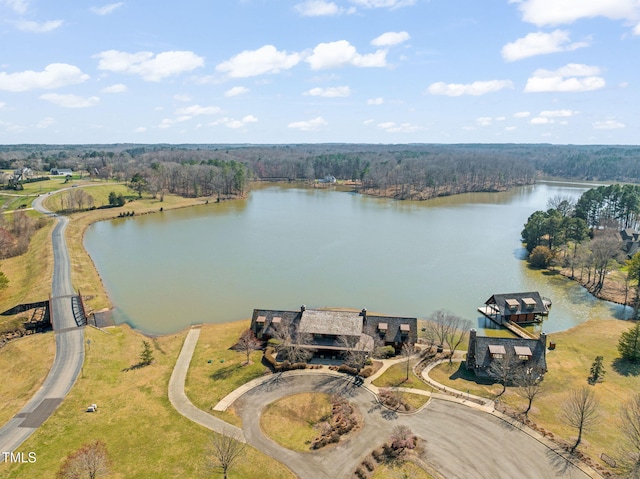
(320, 71)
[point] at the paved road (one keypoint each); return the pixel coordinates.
(69, 348)
(460, 442)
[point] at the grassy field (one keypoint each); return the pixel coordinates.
(396, 376)
(144, 435)
(569, 366)
(216, 370)
(24, 363)
(29, 276)
(292, 420)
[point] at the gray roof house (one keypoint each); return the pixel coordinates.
(520, 308)
(531, 353)
(331, 332)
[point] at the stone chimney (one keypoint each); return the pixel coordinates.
(303, 308)
(471, 351)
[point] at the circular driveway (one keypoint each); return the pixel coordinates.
(460, 442)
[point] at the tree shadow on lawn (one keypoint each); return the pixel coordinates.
(626, 368)
(226, 372)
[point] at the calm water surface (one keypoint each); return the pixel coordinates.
(283, 247)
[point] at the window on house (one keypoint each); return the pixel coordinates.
(497, 351)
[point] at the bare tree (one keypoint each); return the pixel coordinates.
(407, 352)
(629, 456)
(581, 411)
(225, 451)
(293, 345)
(90, 461)
(352, 352)
(564, 204)
(247, 343)
(504, 370)
(447, 328)
(606, 250)
(529, 386)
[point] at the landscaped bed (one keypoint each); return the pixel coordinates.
(307, 421)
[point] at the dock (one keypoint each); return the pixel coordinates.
(491, 312)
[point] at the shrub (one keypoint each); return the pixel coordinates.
(384, 352)
(540, 257)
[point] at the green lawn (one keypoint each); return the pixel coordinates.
(144, 434)
(292, 421)
(216, 370)
(396, 376)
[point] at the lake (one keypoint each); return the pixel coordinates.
(287, 246)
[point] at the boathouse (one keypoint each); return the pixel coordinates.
(331, 332)
(528, 353)
(520, 308)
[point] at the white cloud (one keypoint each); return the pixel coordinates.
(608, 125)
(140, 129)
(476, 88)
(375, 101)
(317, 8)
(391, 4)
(11, 127)
(309, 125)
(557, 113)
(35, 27)
(341, 53)
(330, 92)
(393, 127)
(573, 77)
(70, 101)
(55, 75)
(45, 122)
(117, 88)
(266, 59)
(107, 9)
(557, 12)
(522, 114)
(540, 121)
(183, 98)
(636, 29)
(2, 105)
(149, 66)
(539, 43)
(367, 122)
(484, 121)
(18, 6)
(510, 128)
(235, 124)
(390, 38)
(235, 91)
(195, 110)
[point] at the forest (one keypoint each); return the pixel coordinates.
(414, 171)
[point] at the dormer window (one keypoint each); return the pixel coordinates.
(523, 353)
(404, 329)
(529, 303)
(497, 351)
(512, 304)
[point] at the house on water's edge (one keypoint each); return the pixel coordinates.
(330, 332)
(528, 353)
(519, 308)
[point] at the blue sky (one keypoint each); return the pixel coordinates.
(310, 71)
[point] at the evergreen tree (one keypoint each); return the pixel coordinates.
(146, 356)
(597, 370)
(629, 344)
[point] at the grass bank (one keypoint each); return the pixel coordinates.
(569, 366)
(144, 434)
(216, 369)
(29, 276)
(24, 363)
(396, 376)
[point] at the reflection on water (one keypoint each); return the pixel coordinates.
(283, 247)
